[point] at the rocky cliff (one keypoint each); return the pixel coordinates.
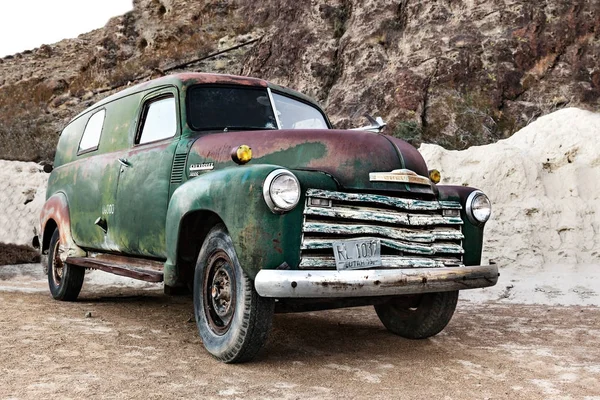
(452, 72)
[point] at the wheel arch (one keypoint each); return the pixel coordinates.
(55, 214)
(194, 227)
(50, 227)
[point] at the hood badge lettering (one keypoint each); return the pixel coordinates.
(195, 169)
(399, 175)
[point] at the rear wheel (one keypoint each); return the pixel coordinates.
(64, 280)
(233, 320)
(418, 316)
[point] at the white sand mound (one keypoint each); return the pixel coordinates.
(544, 184)
(22, 195)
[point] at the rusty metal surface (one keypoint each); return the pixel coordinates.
(381, 215)
(413, 233)
(411, 158)
(135, 262)
(314, 243)
(401, 203)
(349, 156)
(56, 209)
(389, 262)
(380, 282)
(148, 275)
(191, 78)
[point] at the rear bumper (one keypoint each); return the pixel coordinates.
(374, 282)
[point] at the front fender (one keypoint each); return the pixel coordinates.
(56, 209)
(473, 242)
(261, 238)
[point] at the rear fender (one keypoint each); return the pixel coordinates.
(55, 212)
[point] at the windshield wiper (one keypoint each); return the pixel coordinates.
(247, 127)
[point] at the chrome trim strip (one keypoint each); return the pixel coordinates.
(380, 282)
(399, 177)
(328, 262)
(406, 204)
(413, 248)
(387, 216)
(408, 234)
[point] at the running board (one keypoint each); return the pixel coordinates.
(136, 268)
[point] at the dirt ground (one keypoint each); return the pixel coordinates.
(139, 343)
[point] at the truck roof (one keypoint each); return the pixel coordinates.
(185, 79)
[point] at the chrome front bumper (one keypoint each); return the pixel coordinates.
(373, 282)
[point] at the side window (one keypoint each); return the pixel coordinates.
(91, 134)
(159, 120)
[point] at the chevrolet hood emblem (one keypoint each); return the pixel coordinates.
(399, 175)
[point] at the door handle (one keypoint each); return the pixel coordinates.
(124, 162)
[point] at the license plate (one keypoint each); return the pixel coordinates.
(357, 254)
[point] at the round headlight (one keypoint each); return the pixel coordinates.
(281, 190)
(479, 207)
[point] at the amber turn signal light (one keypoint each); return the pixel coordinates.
(242, 154)
(435, 176)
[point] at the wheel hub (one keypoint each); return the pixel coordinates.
(57, 265)
(219, 292)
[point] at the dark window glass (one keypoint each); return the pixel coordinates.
(218, 108)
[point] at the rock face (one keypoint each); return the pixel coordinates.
(454, 72)
(457, 73)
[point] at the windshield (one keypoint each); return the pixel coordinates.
(228, 108)
(294, 114)
(243, 108)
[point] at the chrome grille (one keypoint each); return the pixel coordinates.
(413, 233)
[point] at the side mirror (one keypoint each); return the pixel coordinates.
(48, 168)
(376, 126)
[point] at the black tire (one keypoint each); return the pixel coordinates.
(232, 319)
(420, 316)
(65, 280)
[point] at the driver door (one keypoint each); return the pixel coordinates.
(145, 174)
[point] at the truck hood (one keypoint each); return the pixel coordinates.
(349, 156)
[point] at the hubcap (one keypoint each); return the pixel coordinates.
(219, 292)
(57, 265)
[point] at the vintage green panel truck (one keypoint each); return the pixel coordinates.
(241, 190)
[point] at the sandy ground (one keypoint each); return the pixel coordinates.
(139, 343)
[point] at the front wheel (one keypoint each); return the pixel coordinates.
(418, 316)
(64, 280)
(233, 320)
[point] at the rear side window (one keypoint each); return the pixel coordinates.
(159, 120)
(92, 132)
